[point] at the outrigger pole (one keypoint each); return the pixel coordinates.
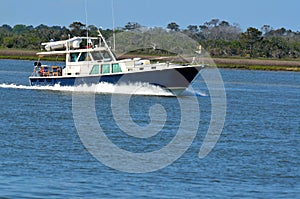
(109, 50)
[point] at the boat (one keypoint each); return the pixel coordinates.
(89, 60)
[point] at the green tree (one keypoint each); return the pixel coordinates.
(266, 29)
(132, 26)
(173, 26)
(250, 38)
(212, 23)
(6, 27)
(77, 29)
(19, 29)
(224, 24)
(192, 31)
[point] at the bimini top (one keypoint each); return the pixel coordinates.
(76, 45)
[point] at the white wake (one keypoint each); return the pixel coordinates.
(100, 88)
(189, 91)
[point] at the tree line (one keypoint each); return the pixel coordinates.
(219, 38)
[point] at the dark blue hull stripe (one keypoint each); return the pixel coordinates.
(170, 78)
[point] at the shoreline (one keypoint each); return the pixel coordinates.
(258, 64)
(229, 63)
(18, 54)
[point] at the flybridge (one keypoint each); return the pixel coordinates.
(77, 45)
(70, 44)
(74, 43)
(62, 45)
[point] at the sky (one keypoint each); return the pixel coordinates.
(152, 13)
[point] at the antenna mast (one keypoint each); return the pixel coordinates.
(113, 23)
(86, 24)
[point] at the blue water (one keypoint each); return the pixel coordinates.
(257, 155)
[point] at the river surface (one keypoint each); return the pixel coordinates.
(256, 156)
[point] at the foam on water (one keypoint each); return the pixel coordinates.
(189, 92)
(103, 87)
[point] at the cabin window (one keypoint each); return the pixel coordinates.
(95, 70)
(105, 68)
(84, 56)
(74, 56)
(116, 68)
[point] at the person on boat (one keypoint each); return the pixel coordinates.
(41, 71)
(37, 68)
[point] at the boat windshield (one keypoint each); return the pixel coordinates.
(79, 57)
(101, 56)
(84, 56)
